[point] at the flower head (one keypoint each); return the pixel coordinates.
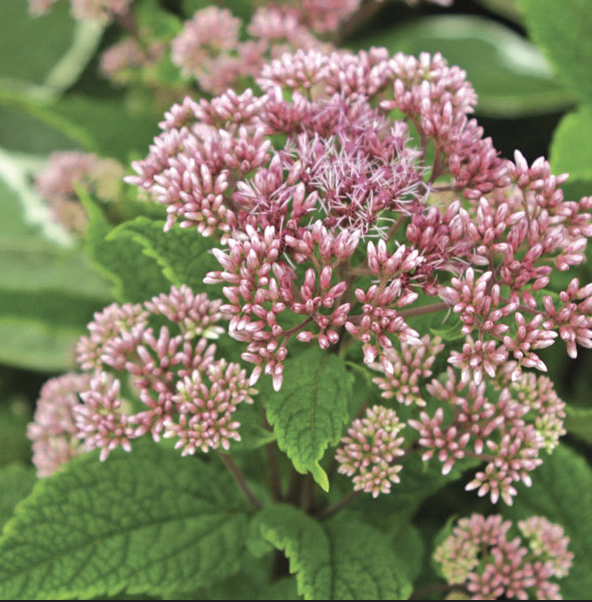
(479, 556)
(369, 451)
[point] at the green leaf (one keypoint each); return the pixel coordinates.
(506, 8)
(161, 23)
(578, 422)
(252, 432)
(48, 293)
(562, 492)
(15, 413)
(509, 74)
(182, 254)
(36, 345)
(135, 276)
(104, 126)
(310, 410)
(147, 522)
(571, 148)
(285, 588)
(44, 63)
(16, 481)
(340, 560)
(562, 29)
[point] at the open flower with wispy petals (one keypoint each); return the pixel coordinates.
(333, 224)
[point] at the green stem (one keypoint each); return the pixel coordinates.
(240, 480)
(338, 506)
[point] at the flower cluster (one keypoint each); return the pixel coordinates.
(507, 431)
(370, 449)
(480, 558)
(352, 192)
(507, 428)
(141, 380)
(208, 47)
(56, 184)
(53, 430)
(103, 11)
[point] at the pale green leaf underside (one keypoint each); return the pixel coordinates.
(145, 522)
(310, 410)
(339, 560)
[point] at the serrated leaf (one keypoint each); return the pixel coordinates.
(182, 254)
(509, 74)
(135, 277)
(343, 559)
(310, 410)
(571, 148)
(147, 522)
(562, 492)
(16, 481)
(562, 29)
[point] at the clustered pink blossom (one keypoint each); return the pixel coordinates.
(369, 450)
(128, 59)
(508, 432)
(334, 221)
(178, 388)
(53, 430)
(100, 10)
(56, 184)
(507, 428)
(480, 558)
(208, 47)
(404, 370)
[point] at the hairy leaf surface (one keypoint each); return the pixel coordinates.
(149, 521)
(342, 559)
(310, 410)
(182, 254)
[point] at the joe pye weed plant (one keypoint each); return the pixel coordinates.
(332, 303)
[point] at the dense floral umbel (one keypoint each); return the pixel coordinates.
(335, 221)
(369, 451)
(480, 558)
(507, 427)
(54, 431)
(178, 388)
(208, 48)
(56, 184)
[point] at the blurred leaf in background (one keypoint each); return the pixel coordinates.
(510, 75)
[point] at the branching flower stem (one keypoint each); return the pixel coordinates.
(338, 506)
(241, 481)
